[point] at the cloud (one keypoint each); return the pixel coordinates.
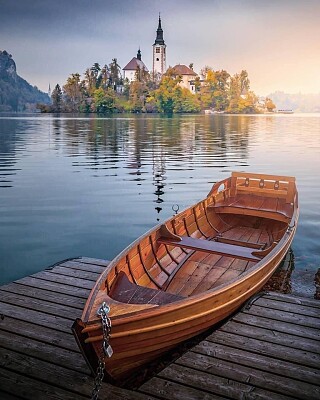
(274, 40)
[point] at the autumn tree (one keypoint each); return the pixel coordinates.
(73, 91)
(269, 104)
(214, 91)
(165, 94)
(171, 97)
(241, 99)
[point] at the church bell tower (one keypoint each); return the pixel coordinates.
(159, 54)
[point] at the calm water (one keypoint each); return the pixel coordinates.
(89, 186)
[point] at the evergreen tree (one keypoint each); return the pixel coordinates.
(115, 74)
(56, 98)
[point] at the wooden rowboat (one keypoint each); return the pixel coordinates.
(191, 272)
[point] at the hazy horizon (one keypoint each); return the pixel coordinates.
(277, 41)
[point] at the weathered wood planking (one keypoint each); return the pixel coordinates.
(39, 358)
(269, 351)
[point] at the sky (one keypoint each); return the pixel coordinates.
(276, 41)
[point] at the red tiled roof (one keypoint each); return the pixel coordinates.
(181, 69)
(133, 64)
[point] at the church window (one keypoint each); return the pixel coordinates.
(157, 59)
(157, 49)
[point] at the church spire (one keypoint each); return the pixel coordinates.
(159, 54)
(139, 54)
(159, 38)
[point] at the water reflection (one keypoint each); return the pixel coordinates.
(73, 185)
(9, 141)
(153, 148)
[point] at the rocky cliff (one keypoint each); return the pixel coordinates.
(16, 94)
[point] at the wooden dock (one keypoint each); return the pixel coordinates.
(271, 350)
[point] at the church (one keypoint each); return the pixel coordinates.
(159, 64)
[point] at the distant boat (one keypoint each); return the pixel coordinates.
(189, 273)
(213, 112)
(285, 111)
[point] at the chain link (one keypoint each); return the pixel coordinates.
(106, 349)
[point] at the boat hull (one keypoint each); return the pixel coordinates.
(140, 335)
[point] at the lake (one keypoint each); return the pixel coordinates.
(72, 186)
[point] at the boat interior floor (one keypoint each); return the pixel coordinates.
(198, 271)
(127, 292)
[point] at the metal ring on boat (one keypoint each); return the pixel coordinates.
(175, 208)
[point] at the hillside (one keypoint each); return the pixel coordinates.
(16, 94)
(297, 102)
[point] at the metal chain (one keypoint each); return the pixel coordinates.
(106, 349)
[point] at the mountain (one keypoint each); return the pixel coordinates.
(16, 94)
(297, 102)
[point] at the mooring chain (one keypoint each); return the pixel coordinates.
(106, 349)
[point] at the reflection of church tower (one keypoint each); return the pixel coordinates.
(159, 54)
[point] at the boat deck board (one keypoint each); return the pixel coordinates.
(268, 351)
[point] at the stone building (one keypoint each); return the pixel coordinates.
(188, 76)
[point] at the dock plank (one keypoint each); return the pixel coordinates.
(53, 286)
(66, 280)
(33, 389)
(272, 350)
(268, 351)
(285, 316)
(82, 266)
(283, 306)
(272, 336)
(258, 361)
(30, 303)
(37, 332)
(278, 326)
(42, 294)
(75, 273)
(251, 380)
(228, 385)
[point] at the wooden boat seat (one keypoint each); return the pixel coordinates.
(273, 207)
(125, 291)
(209, 246)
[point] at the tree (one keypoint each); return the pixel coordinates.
(214, 92)
(115, 73)
(73, 91)
(56, 98)
(269, 104)
(104, 101)
(165, 94)
(104, 77)
(171, 97)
